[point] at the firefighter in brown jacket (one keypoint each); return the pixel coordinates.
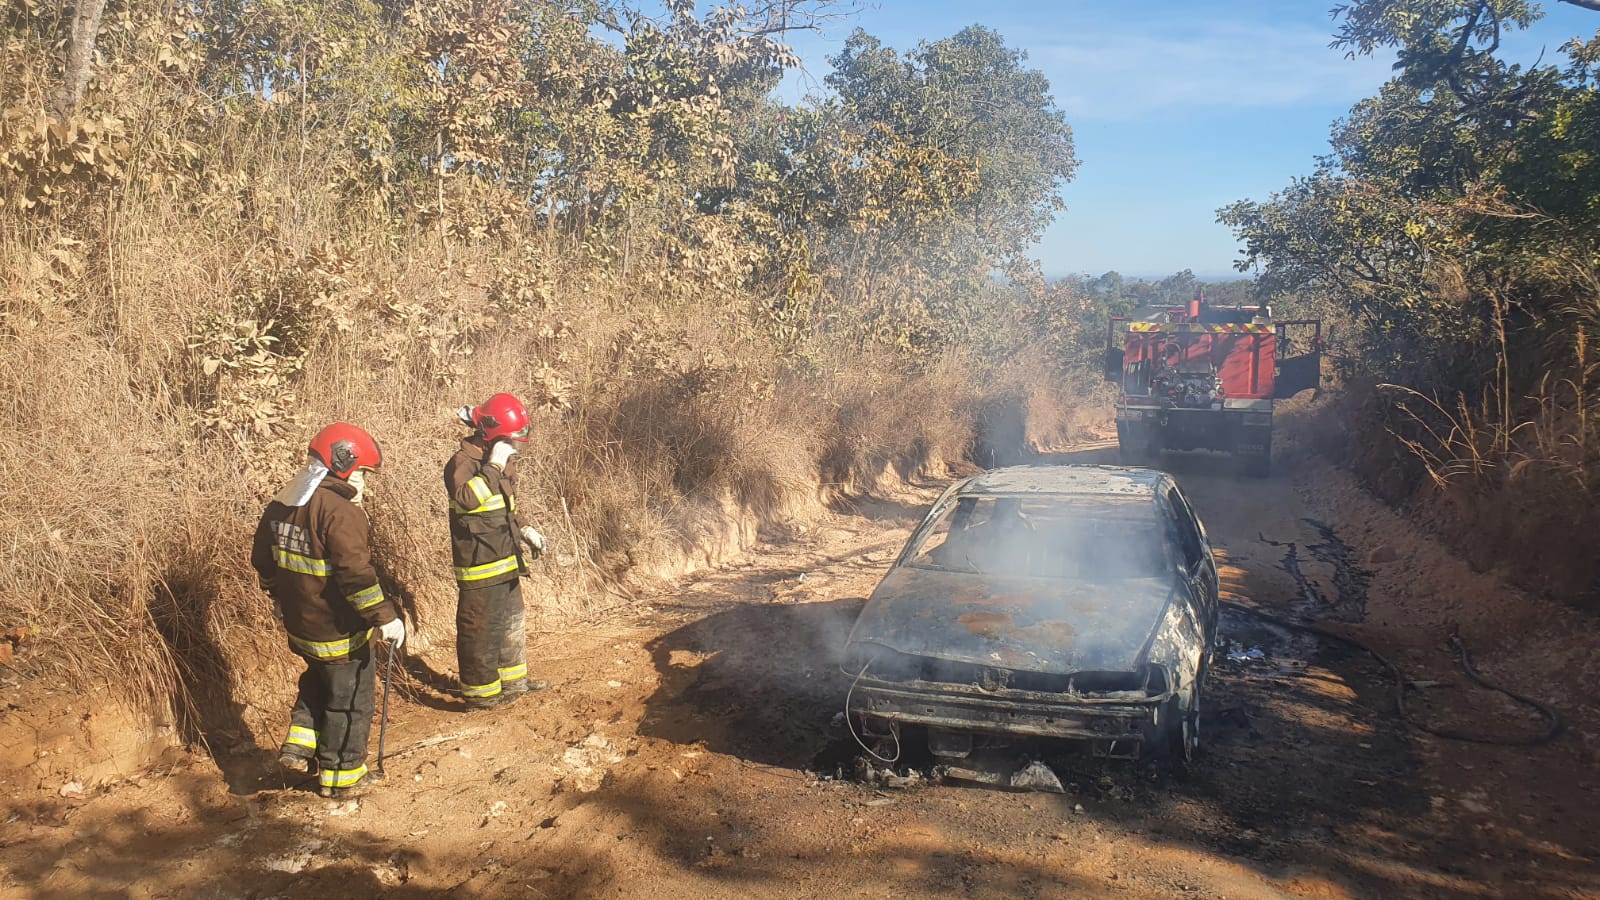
(486, 543)
(312, 556)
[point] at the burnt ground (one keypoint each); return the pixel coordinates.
(690, 748)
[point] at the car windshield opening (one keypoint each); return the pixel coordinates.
(1043, 538)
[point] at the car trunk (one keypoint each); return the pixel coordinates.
(1046, 625)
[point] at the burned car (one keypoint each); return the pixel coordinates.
(1063, 602)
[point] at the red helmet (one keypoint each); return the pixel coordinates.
(501, 416)
(344, 448)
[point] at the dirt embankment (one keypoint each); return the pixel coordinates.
(1526, 517)
(683, 751)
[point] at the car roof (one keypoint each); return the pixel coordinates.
(1099, 482)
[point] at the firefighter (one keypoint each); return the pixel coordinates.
(312, 556)
(486, 542)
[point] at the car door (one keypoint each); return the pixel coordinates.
(1199, 564)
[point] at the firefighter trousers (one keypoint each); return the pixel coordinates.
(491, 640)
(332, 717)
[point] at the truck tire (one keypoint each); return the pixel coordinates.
(1258, 465)
(1133, 444)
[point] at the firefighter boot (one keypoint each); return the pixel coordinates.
(503, 698)
(298, 753)
(353, 790)
(524, 686)
(295, 761)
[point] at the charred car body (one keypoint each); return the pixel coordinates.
(1073, 602)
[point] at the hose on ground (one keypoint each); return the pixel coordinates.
(1554, 723)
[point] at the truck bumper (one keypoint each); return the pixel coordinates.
(1243, 432)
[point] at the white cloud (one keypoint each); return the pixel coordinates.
(1133, 72)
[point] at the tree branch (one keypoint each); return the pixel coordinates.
(1592, 5)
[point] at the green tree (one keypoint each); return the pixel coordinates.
(924, 175)
(969, 96)
(1449, 215)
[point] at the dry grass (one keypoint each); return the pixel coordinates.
(129, 518)
(177, 322)
(1509, 479)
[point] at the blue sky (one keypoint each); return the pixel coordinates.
(1177, 107)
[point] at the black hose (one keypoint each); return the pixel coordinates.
(1552, 730)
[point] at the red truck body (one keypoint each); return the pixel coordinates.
(1206, 379)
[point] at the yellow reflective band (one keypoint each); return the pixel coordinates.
(487, 570)
(300, 736)
(480, 488)
(1181, 327)
(305, 565)
(342, 778)
(480, 690)
(366, 598)
(495, 502)
(330, 649)
(513, 673)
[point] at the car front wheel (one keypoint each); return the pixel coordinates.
(1188, 731)
(1180, 725)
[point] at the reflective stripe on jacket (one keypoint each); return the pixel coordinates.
(316, 562)
(485, 534)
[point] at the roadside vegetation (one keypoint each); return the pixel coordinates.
(228, 224)
(1453, 235)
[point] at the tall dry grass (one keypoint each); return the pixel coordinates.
(1515, 477)
(136, 472)
(1508, 475)
(172, 336)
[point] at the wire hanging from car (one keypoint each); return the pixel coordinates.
(894, 729)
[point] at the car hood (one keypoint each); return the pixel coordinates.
(1024, 624)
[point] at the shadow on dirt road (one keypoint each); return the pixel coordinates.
(1296, 759)
(760, 683)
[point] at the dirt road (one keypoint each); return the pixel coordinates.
(686, 749)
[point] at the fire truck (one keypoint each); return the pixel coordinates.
(1206, 378)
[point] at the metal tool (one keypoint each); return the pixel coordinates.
(383, 720)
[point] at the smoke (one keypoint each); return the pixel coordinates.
(1100, 542)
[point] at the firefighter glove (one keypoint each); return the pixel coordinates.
(500, 454)
(534, 540)
(393, 631)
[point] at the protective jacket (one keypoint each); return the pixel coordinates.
(485, 533)
(315, 561)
